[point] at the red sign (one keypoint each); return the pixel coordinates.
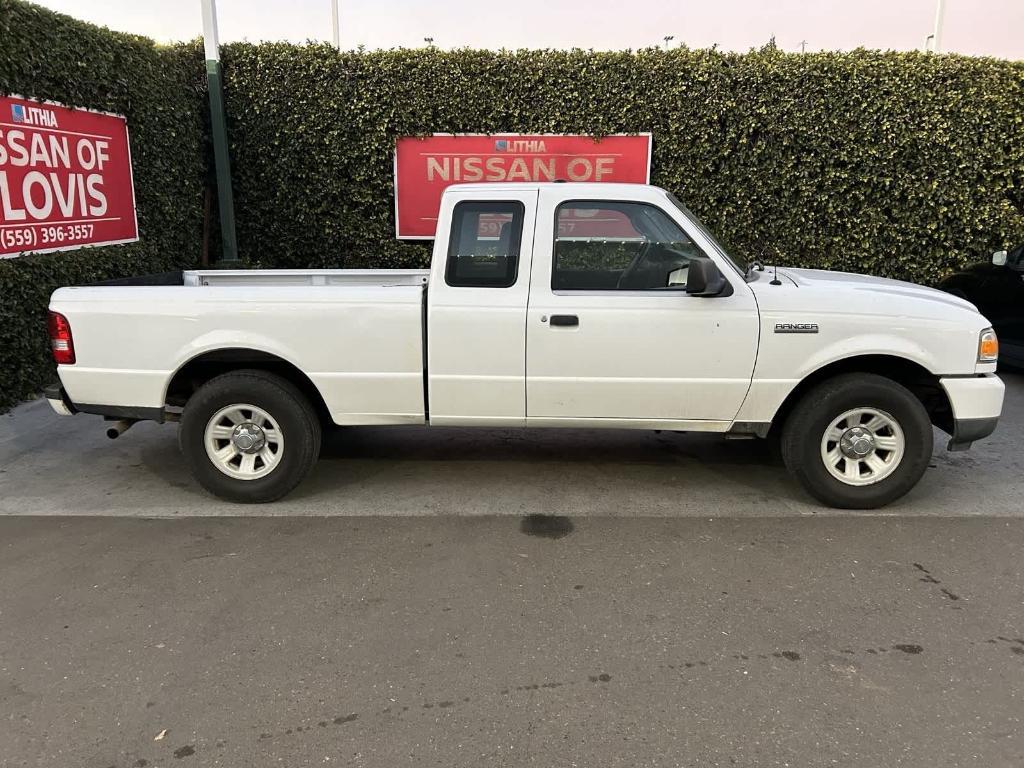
(424, 167)
(65, 178)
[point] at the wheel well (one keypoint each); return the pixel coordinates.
(199, 370)
(918, 379)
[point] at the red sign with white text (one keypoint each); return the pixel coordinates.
(65, 178)
(424, 167)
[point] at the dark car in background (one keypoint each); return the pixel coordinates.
(996, 288)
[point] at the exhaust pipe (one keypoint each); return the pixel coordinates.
(119, 427)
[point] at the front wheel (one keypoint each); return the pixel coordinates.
(858, 441)
(249, 436)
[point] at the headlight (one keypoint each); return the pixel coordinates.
(988, 346)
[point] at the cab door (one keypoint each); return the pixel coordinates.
(612, 336)
(476, 308)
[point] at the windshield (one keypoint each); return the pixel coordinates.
(738, 264)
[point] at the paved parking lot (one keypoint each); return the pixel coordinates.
(501, 599)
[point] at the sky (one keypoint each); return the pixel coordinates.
(974, 27)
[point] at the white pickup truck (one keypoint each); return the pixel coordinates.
(546, 305)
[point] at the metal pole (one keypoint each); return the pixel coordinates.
(218, 129)
(940, 12)
(335, 29)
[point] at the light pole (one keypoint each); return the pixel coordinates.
(668, 39)
(218, 129)
(335, 29)
(429, 41)
(803, 46)
(940, 13)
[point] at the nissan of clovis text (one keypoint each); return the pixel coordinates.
(546, 305)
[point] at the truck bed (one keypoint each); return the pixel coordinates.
(356, 334)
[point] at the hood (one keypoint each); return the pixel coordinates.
(877, 286)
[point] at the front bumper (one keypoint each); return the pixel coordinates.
(977, 402)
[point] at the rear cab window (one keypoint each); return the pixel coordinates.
(483, 250)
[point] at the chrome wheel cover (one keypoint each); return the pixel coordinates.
(244, 442)
(863, 446)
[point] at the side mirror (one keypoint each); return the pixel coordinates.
(999, 258)
(703, 278)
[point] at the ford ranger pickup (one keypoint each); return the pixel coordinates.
(546, 305)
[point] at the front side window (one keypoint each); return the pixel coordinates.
(607, 246)
(737, 263)
(483, 251)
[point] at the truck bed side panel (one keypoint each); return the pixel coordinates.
(360, 346)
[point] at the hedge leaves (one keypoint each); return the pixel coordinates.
(50, 56)
(898, 164)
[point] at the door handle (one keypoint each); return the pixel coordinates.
(565, 320)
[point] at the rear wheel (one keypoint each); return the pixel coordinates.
(249, 436)
(858, 441)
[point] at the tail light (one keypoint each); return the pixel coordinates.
(61, 343)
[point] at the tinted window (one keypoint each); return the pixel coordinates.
(483, 251)
(602, 245)
(1016, 257)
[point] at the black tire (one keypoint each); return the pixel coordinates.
(805, 428)
(293, 412)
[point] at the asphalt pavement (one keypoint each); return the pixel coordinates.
(496, 598)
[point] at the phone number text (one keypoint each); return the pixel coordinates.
(44, 235)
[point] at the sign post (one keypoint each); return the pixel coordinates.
(218, 127)
(425, 166)
(65, 178)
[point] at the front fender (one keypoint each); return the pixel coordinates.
(785, 360)
(864, 345)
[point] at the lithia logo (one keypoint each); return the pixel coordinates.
(33, 116)
(796, 327)
(522, 146)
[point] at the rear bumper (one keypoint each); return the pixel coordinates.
(977, 402)
(58, 399)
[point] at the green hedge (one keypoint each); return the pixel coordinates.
(905, 165)
(898, 164)
(52, 56)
